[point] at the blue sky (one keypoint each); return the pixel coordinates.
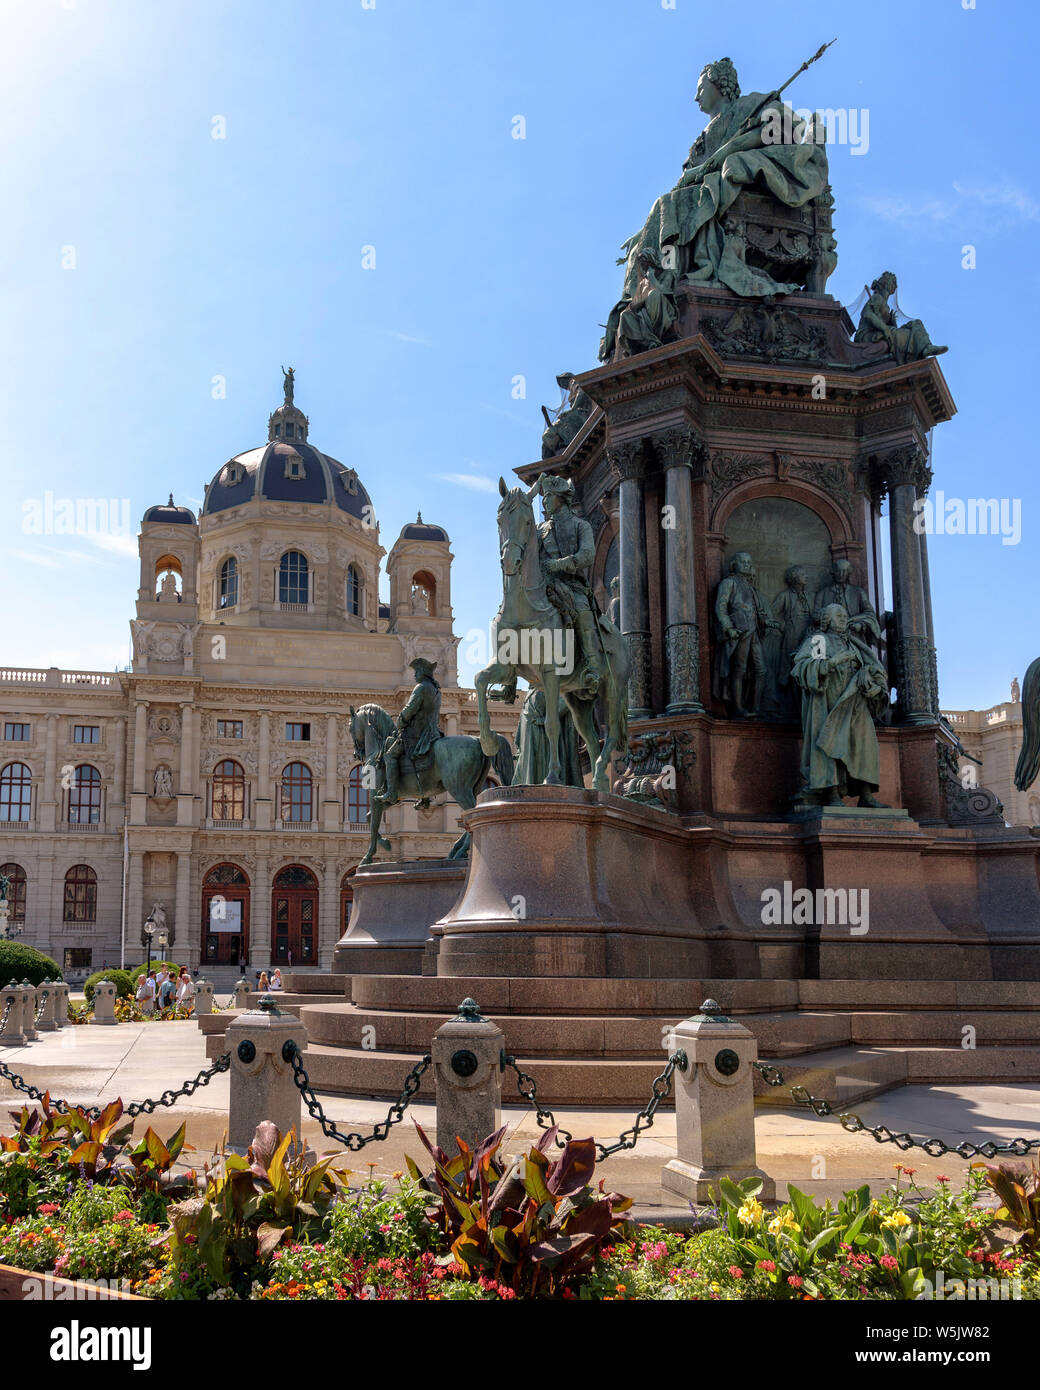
(392, 127)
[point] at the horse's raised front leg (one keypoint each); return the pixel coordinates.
(495, 674)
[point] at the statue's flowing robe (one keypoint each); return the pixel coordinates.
(532, 745)
(691, 215)
(839, 741)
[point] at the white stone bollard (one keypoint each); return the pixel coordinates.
(241, 999)
(29, 1011)
(47, 997)
(61, 1010)
(714, 1107)
(467, 1054)
(203, 997)
(104, 1002)
(262, 1086)
(12, 1034)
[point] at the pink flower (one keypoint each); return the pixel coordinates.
(888, 1262)
(795, 1280)
(736, 1271)
(124, 1215)
(399, 1216)
(768, 1265)
(384, 1229)
(47, 1207)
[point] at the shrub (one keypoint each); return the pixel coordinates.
(122, 981)
(156, 965)
(20, 962)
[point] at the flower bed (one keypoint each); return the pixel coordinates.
(80, 1200)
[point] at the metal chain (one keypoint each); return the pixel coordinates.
(135, 1108)
(7, 1013)
(355, 1141)
(881, 1134)
(662, 1085)
(41, 1007)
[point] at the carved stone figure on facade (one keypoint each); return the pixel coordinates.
(1016, 690)
(650, 771)
(793, 612)
(647, 318)
(614, 607)
(158, 917)
(162, 781)
(863, 621)
(569, 548)
(844, 689)
(907, 342)
(168, 588)
(420, 602)
(565, 423)
(417, 731)
(532, 744)
(752, 141)
(773, 332)
(741, 619)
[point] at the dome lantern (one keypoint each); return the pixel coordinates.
(288, 422)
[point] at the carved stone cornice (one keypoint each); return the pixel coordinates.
(627, 460)
(681, 446)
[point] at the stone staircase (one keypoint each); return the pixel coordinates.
(601, 1041)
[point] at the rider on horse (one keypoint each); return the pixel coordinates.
(416, 732)
(570, 547)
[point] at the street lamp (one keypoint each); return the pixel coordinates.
(149, 931)
(164, 941)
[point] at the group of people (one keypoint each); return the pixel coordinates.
(164, 988)
(268, 982)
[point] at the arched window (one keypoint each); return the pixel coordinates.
(358, 802)
(292, 578)
(223, 874)
(85, 796)
(169, 577)
(297, 792)
(15, 875)
(353, 591)
(229, 583)
(424, 593)
(80, 894)
(15, 792)
(229, 791)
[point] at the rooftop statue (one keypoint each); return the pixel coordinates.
(289, 384)
(908, 342)
(563, 424)
(647, 319)
(751, 143)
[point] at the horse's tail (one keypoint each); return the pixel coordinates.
(1029, 758)
(503, 761)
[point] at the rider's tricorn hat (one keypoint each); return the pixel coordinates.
(422, 667)
(553, 483)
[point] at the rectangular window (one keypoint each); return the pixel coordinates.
(229, 728)
(78, 957)
(16, 733)
(289, 431)
(298, 733)
(86, 733)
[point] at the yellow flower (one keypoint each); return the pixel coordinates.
(782, 1221)
(895, 1219)
(750, 1214)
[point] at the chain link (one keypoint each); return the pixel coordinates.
(881, 1134)
(355, 1141)
(7, 1013)
(41, 1007)
(135, 1108)
(662, 1085)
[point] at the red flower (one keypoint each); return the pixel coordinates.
(47, 1207)
(124, 1215)
(795, 1280)
(736, 1271)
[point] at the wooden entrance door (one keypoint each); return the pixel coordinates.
(225, 916)
(294, 918)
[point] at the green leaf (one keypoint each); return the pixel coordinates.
(730, 1193)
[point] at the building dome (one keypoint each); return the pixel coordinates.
(179, 516)
(420, 530)
(287, 469)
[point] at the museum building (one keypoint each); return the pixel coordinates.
(214, 787)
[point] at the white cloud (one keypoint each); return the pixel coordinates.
(119, 545)
(1006, 204)
(470, 480)
(406, 337)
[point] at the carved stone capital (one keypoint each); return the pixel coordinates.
(907, 466)
(681, 446)
(627, 460)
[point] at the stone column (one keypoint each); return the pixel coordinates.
(188, 943)
(140, 742)
(926, 585)
(260, 916)
(119, 772)
(680, 451)
(135, 909)
(626, 460)
(104, 1003)
(264, 808)
(186, 785)
(328, 914)
(331, 805)
(11, 1033)
(906, 474)
(48, 802)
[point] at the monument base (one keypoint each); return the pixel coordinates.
(394, 905)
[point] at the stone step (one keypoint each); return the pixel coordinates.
(897, 995)
(571, 997)
(940, 1064)
(841, 1076)
(583, 1036)
(301, 982)
(943, 1028)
